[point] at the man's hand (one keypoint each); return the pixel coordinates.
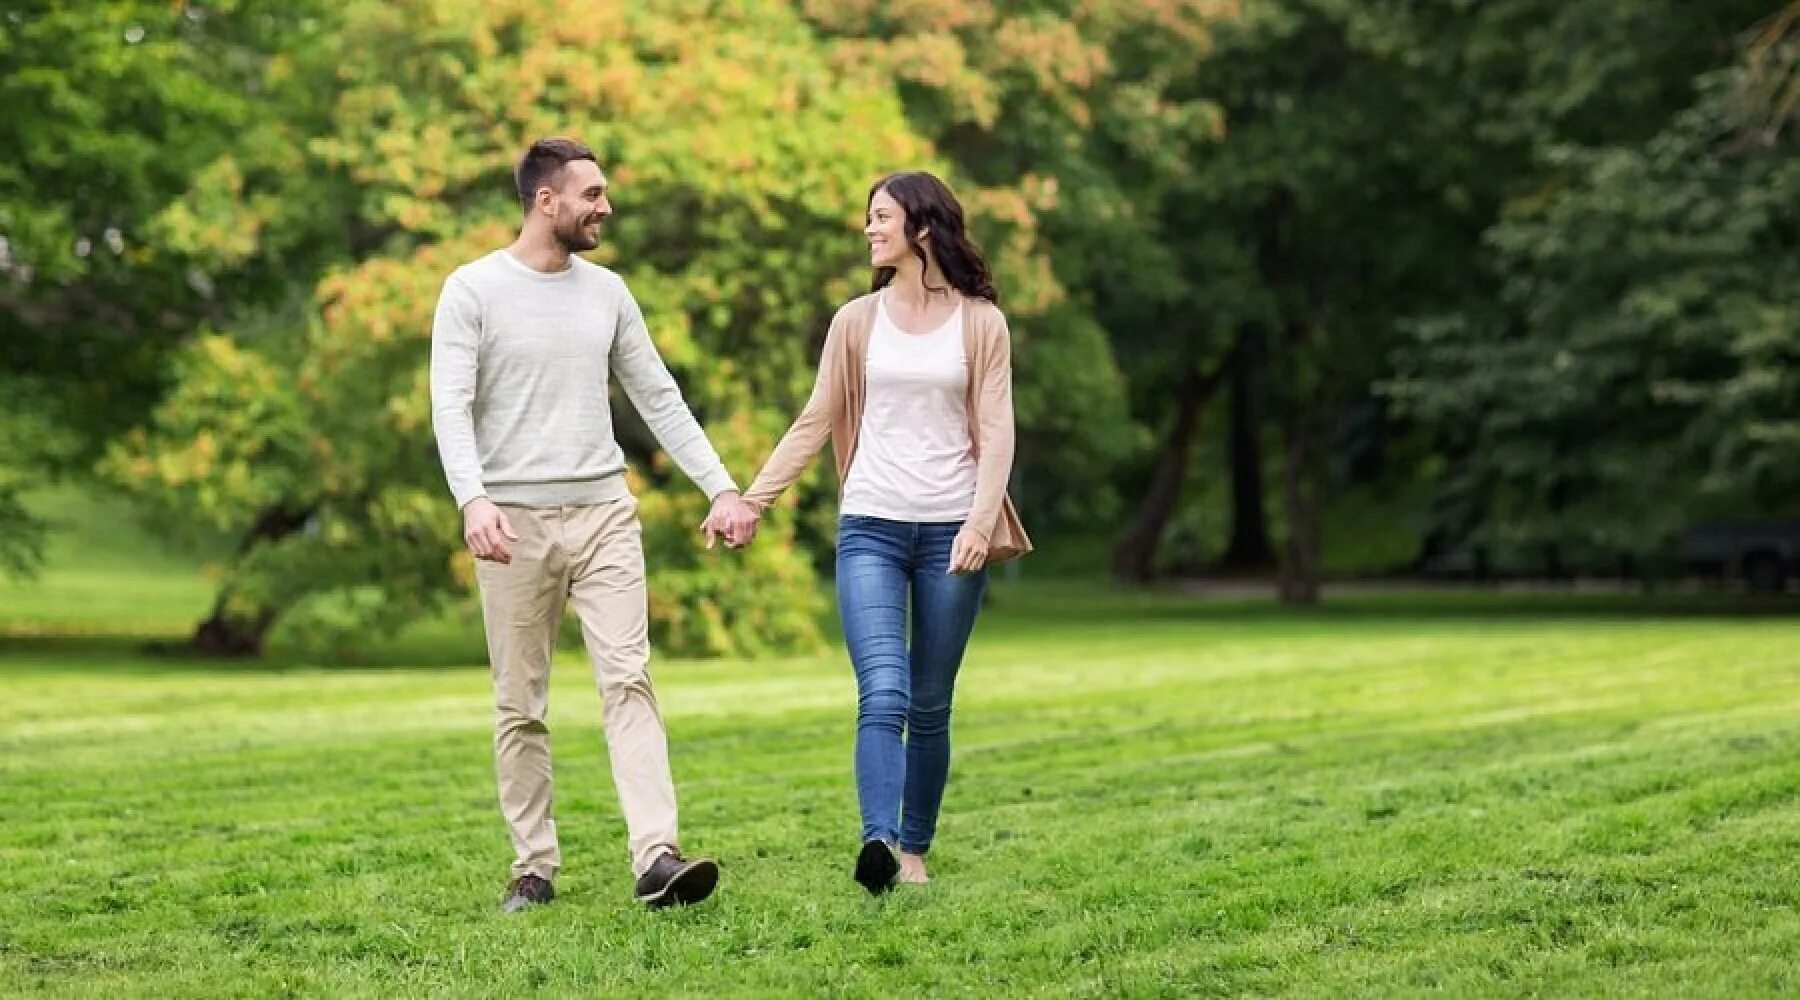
(968, 553)
(487, 530)
(730, 517)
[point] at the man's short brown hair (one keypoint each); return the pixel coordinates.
(543, 163)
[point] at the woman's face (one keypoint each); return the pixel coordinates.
(886, 230)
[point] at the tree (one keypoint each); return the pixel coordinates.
(1638, 370)
(739, 160)
(1323, 214)
(1062, 113)
(1367, 147)
(116, 112)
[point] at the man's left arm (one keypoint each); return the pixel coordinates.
(657, 398)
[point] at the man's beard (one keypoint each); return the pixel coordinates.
(576, 239)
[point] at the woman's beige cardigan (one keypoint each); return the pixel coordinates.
(836, 410)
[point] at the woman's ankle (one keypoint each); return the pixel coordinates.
(912, 868)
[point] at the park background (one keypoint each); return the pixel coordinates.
(1375, 362)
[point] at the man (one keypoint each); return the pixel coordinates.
(522, 348)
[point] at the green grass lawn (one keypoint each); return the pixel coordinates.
(106, 574)
(1151, 796)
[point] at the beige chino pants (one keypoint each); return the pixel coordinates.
(591, 556)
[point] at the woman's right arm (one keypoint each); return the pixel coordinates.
(809, 430)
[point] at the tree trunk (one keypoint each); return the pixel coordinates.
(227, 634)
(1134, 558)
(1300, 475)
(1249, 548)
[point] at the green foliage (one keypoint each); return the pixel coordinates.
(1575, 221)
(1369, 147)
(1639, 368)
(1068, 118)
(116, 111)
(120, 113)
(31, 441)
(22, 552)
(738, 178)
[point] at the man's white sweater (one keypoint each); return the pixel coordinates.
(520, 362)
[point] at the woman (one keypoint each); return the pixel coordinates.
(915, 391)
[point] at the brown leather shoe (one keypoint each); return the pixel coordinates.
(677, 881)
(525, 891)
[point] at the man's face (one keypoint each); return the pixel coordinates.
(580, 206)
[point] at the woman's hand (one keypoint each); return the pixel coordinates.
(731, 518)
(969, 552)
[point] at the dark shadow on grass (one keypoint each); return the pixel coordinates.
(1018, 609)
(1038, 602)
(140, 654)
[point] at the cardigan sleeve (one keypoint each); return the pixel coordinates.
(993, 426)
(809, 430)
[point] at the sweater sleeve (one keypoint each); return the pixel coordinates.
(810, 429)
(455, 348)
(653, 391)
(994, 431)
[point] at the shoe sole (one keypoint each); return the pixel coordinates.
(693, 883)
(876, 867)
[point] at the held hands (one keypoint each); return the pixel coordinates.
(735, 521)
(968, 553)
(487, 530)
(732, 519)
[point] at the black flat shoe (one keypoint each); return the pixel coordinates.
(876, 867)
